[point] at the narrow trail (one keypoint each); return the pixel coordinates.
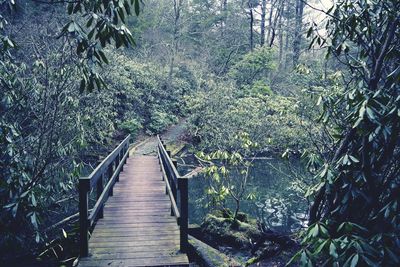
(147, 147)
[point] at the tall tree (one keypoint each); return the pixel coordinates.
(271, 11)
(175, 38)
(297, 31)
(224, 11)
(278, 4)
(288, 34)
(280, 30)
(263, 15)
(252, 4)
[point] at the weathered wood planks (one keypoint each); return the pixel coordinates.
(137, 228)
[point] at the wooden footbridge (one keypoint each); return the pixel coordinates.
(140, 215)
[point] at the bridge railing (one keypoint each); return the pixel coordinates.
(107, 171)
(177, 189)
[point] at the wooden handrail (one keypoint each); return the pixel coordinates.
(104, 195)
(167, 157)
(174, 183)
(174, 206)
(110, 169)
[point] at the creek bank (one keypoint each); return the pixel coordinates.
(245, 239)
(209, 256)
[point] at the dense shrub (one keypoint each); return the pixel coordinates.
(272, 121)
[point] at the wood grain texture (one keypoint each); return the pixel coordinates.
(137, 228)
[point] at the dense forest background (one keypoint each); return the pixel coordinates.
(292, 77)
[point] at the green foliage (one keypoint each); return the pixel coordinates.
(349, 248)
(198, 64)
(50, 133)
(355, 212)
(104, 23)
(228, 172)
(141, 92)
(260, 88)
(5, 41)
(160, 120)
(132, 126)
(39, 143)
(93, 25)
(273, 121)
(253, 67)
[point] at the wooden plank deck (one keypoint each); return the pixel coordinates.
(137, 228)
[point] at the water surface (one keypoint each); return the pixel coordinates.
(276, 184)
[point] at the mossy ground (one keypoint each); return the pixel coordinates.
(236, 238)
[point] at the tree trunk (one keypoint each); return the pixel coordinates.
(224, 10)
(280, 29)
(270, 21)
(273, 27)
(288, 34)
(236, 209)
(263, 14)
(297, 31)
(175, 42)
(251, 29)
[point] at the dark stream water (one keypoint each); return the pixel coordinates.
(279, 198)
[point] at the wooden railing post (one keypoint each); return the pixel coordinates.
(127, 150)
(121, 156)
(161, 164)
(110, 174)
(184, 219)
(175, 162)
(182, 186)
(164, 145)
(84, 185)
(117, 161)
(174, 190)
(99, 191)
